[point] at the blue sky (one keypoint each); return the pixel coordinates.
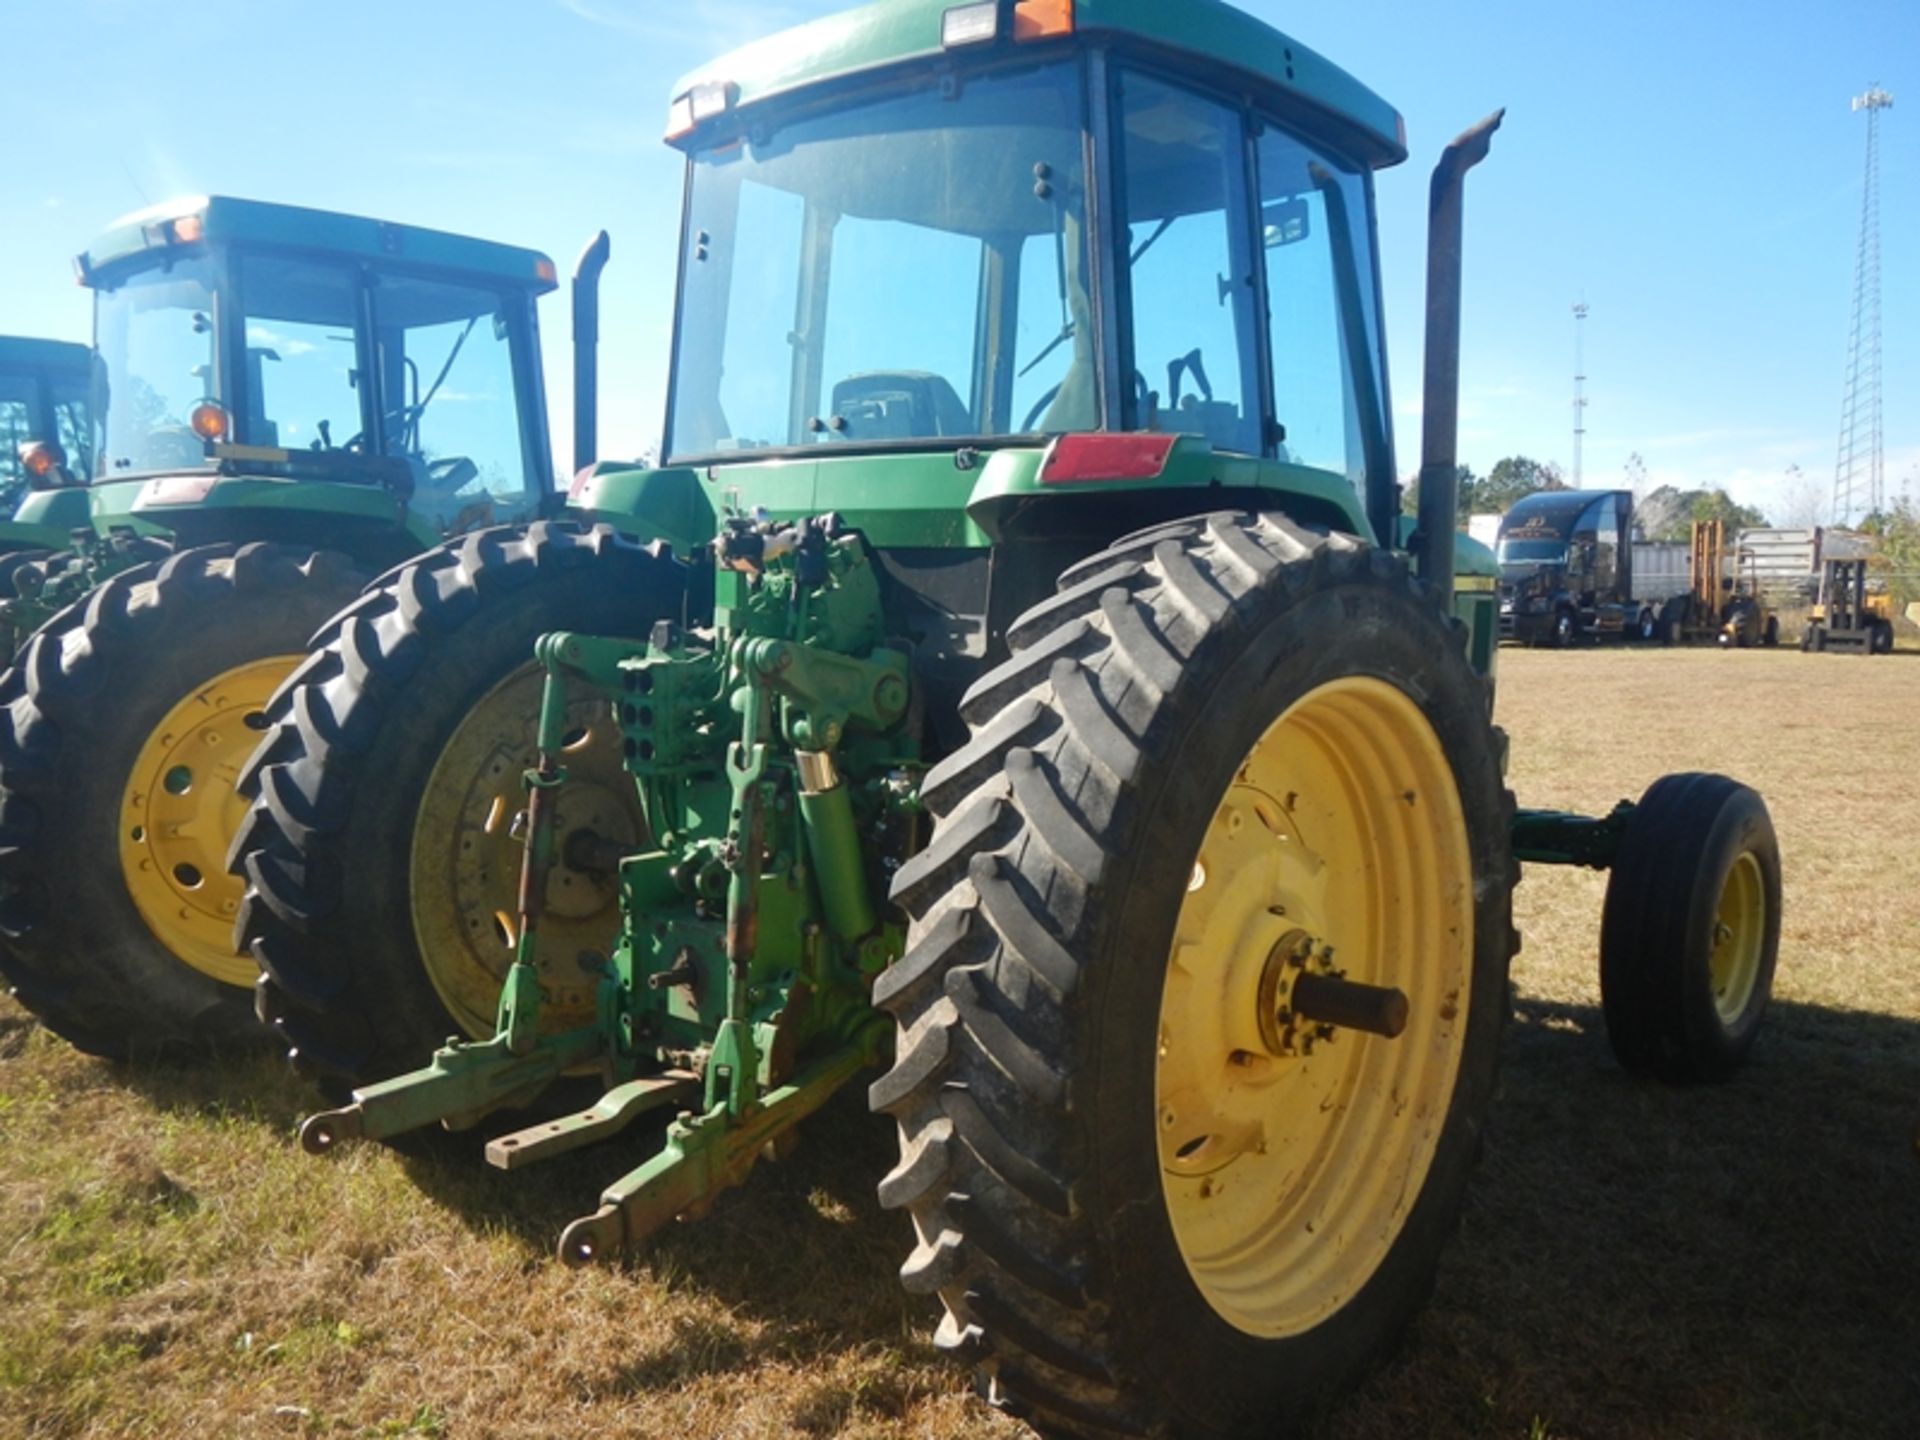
(1692, 171)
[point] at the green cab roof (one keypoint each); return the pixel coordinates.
(1231, 44)
(220, 219)
(47, 357)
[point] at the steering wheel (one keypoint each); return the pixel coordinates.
(1140, 395)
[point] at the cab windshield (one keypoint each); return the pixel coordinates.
(1531, 551)
(909, 269)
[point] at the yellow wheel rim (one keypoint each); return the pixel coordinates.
(1739, 935)
(1290, 1158)
(179, 811)
(465, 858)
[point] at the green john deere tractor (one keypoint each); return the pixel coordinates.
(299, 400)
(46, 441)
(1022, 684)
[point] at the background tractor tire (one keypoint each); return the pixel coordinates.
(1566, 628)
(126, 719)
(1770, 637)
(1031, 1033)
(1691, 929)
(1880, 641)
(331, 849)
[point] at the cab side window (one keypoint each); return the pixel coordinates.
(1188, 266)
(1313, 218)
(16, 425)
(450, 398)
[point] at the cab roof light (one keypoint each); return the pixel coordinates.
(970, 24)
(1042, 19)
(706, 101)
(183, 230)
(1105, 456)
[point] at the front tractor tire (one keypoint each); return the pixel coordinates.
(127, 718)
(1690, 931)
(1205, 980)
(380, 858)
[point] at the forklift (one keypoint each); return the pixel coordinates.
(1847, 617)
(1725, 603)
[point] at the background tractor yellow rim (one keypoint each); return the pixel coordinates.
(465, 857)
(1739, 935)
(179, 811)
(1289, 1162)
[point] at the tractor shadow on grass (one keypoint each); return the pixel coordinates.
(256, 1087)
(1729, 1260)
(1740, 1260)
(803, 1247)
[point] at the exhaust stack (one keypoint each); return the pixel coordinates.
(1439, 458)
(586, 350)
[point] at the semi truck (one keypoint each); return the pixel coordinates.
(1571, 569)
(1567, 569)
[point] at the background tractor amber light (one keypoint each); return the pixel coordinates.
(209, 421)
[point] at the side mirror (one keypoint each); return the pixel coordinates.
(1285, 222)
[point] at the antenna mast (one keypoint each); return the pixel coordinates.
(1859, 475)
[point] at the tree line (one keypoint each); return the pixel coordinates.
(1665, 513)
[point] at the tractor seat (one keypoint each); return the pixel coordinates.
(899, 405)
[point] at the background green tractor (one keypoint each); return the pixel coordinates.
(299, 400)
(46, 448)
(1020, 677)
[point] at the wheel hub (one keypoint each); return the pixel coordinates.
(1739, 937)
(467, 850)
(179, 810)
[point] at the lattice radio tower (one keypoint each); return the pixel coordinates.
(1859, 477)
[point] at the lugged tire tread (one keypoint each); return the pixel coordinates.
(67, 666)
(990, 1193)
(324, 722)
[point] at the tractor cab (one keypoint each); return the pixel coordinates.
(1056, 234)
(46, 441)
(366, 382)
(1041, 270)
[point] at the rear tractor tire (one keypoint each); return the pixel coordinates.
(126, 720)
(379, 857)
(1233, 767)
(1690, 932)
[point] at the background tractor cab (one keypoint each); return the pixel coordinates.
(270, 372)
(296, 401)
(46, 442)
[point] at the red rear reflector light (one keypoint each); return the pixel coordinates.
(1088, 459)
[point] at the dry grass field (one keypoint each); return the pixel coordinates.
(1738, 1261)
